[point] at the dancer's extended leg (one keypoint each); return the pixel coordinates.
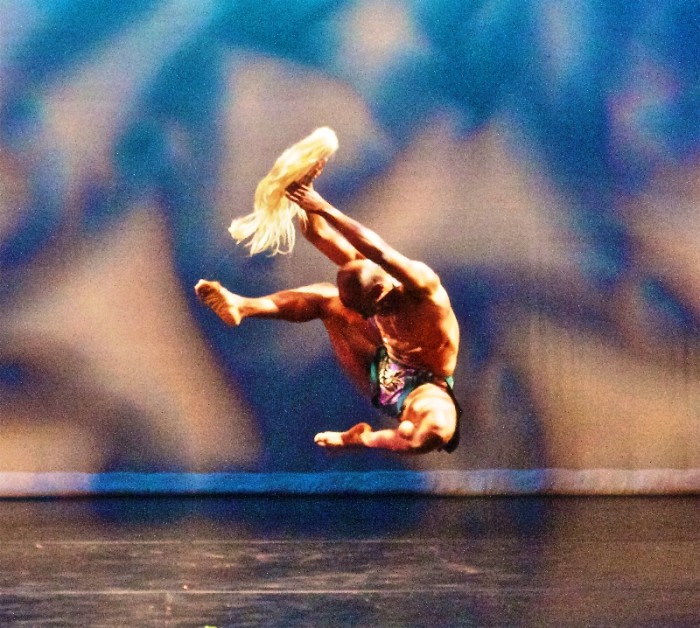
(298, 305)
(428, 421)
(362, 435)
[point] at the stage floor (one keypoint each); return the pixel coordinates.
(390, 561)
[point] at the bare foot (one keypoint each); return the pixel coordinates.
(349, 438)
(329, 439)
(223, 303)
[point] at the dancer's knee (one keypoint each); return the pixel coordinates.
(435, 420)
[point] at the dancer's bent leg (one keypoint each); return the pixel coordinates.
(298, 305)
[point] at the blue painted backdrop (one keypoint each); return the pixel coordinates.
(155, 109)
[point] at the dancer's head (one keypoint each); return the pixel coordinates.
(362, 285)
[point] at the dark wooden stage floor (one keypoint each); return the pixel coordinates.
(388, 561)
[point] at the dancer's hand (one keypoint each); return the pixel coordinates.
(307, 198)
(314, 172)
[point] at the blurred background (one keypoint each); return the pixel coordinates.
(541, 155)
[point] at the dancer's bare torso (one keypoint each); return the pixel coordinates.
(421, 332)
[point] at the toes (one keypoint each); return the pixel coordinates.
(203, 286)
(219, 300)
(321, 439)
(329, 439)
(206, 289)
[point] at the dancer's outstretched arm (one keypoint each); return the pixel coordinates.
(327, 240)
(412, 274)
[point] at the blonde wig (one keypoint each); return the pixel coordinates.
(270, 227)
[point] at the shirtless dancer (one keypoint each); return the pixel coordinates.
(390, 323)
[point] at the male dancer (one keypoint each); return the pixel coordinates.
(389, 321)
